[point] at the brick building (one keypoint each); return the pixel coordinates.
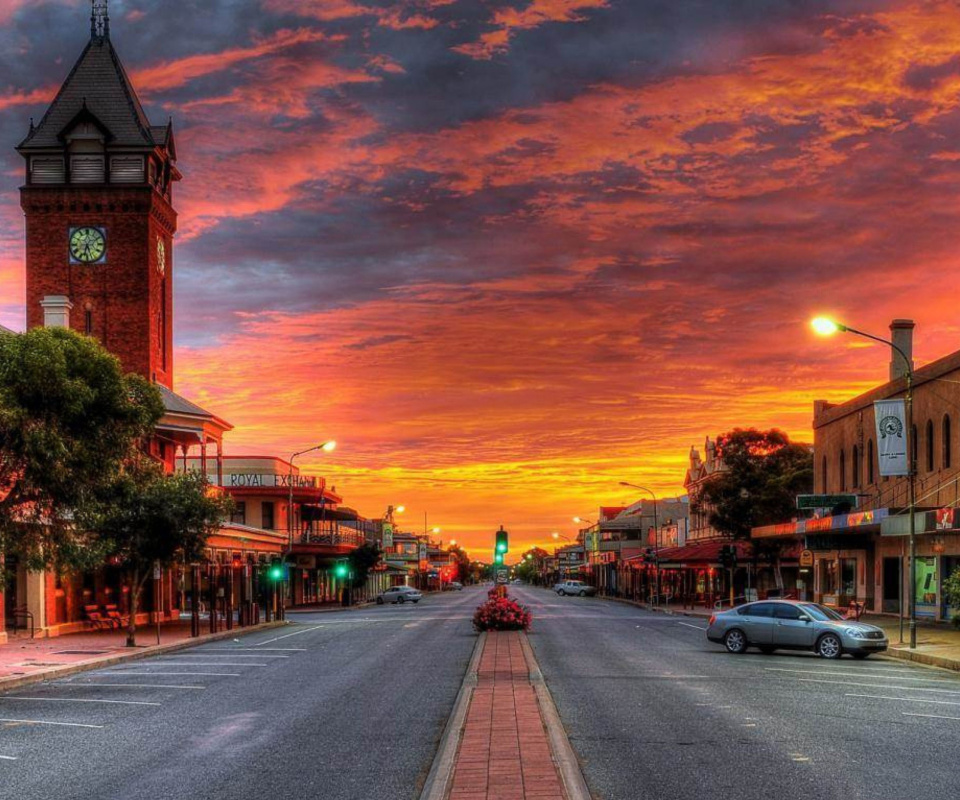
(859, 555)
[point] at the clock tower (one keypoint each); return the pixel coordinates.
(100, 222)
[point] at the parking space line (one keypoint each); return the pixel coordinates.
(881, 686)
(288, 635)
(202, 664)
(871, 677)
(905, 699)
(46, 722)
(125, 686)
(930, 716)
(687, 624)
(174, 674)
(78, 700)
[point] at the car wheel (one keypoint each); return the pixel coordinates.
(766, 650)
(583, 593)
(415, 602)
(401, 599)
(735, 641)
(562, 593)
(379, 601)
(861, 656)
(830, 646)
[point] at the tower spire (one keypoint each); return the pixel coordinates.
(99, 20)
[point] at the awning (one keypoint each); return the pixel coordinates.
(703, 554)
(317, 513)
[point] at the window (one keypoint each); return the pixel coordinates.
(856, 467)
(843, 471)
(88, 322)
(47, 170)
(930, 462)
(126, 169)
(87, 169)
(266, 519)
(946, 442)
(870, 475)
(823, 475)
(829, 579)
(239, 514)
(786, 611)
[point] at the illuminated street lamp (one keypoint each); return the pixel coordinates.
(326, 447)
(557, 535)
(580, 520)
(656, 530)
(824, 326)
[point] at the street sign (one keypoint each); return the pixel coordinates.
(503, 576)
(826, 500)
(806, 558)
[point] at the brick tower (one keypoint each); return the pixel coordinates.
(99, 213)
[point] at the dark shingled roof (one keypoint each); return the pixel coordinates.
(98, 80)
(176, 404)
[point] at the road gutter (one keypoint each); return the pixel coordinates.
(565, 758)
(54, 673)
(440, 777)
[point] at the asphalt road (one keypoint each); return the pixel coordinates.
(654, 710)
(338, 706)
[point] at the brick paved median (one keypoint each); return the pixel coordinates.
(504, 753)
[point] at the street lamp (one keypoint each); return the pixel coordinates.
(827, 327)
(580, 520)
(656, 530)
(556, 535)
(326, 447)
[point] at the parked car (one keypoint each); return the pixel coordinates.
(790, 625)
(578, 588)
(399, 594)
(456, 585)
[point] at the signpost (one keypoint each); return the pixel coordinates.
(806, 558)
(811, 501)
(503, 576)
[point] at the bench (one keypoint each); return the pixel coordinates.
(94, 617)
(116, 618)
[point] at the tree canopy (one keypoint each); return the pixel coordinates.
(763, 474)
(69, 420)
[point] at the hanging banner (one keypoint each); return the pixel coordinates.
(891, 437)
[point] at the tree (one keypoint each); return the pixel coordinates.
(951, 593)
(763, 474)
(69, 419)
(528, 568)
(362, 560)
(462, 559)
(150, 519)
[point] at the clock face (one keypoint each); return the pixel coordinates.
(161, 257)
(88, 245)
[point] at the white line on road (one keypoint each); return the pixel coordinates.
(930, 716)
(905, 699)
(691, 626)
(870, 676)
(206, 654)
(77, 700)
(881, 686)
(126, 686)
(58, 724)
(149, 674)
(257, 649)
(8, 758)
(287, 636)
(162, 662)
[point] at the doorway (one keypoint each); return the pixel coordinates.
(891, 585)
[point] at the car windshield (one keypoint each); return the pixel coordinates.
(821, 613)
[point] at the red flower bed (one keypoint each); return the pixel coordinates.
(501, 614)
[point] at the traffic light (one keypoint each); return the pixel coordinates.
(277, 572)
(498, 558)
(502, 542)
(341, 571)
(728, 556)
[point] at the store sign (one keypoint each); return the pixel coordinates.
(891, 437)
(944, 519)
(269, 481)
(806, 558)
(826, 500)
(387, 536)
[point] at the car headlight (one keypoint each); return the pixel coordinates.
(855, 633)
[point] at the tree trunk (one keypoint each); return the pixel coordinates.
(134, 606)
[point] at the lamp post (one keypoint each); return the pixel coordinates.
(327, 447)
(656, 530)
(827, 327)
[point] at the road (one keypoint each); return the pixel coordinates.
(655, 711)
(341, 706)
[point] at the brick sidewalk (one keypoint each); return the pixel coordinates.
(504, 753)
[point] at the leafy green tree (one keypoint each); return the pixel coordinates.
(69, 419)
(463, 561)
(951, 592)
(529, 565)
(150, 519)
(764, 472)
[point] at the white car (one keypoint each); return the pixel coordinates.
(578, 588)
(399, 594)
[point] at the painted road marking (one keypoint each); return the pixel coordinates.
(124, 686)
(203, 664)
(169, 674)
(215, 655)
(905, 699)
(8, 758)
(687, 624)
(881, 686)
(257, 649)
(44, 722)
(77, 700)
(871, 677)
(288, 635)
(931, 716)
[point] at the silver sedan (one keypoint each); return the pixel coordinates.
(787, 625)
(399, 594)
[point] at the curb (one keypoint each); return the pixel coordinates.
(439, 778)
(9, 684)
(571, 775)
(923, 658)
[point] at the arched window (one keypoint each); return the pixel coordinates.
(947, 451)
(823, 475)
(843, 471)
(870, 475)
(856, 467)
(930, 462)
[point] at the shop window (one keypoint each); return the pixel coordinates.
(929, 432)
(267, 518)
(843, 471)
(856, 467)
(828, 576)
(947, 452)
(870, 475)
(926, 581)
(848, 577)
(239, 515)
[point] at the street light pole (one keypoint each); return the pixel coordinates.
(656, 531)
(826, 327)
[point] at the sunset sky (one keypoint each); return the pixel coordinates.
(512, 253)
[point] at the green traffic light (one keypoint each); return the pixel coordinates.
(340, 570)
(276, 573)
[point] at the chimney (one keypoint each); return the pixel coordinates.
(901, 334)
(56, 311)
